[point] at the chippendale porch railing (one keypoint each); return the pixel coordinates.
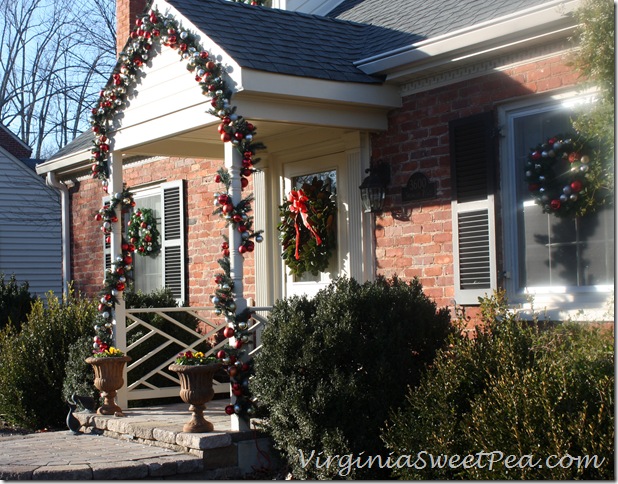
(157, 344)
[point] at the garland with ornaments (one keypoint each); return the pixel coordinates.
(143, 233)
(307, 231)
(149, 29)
(565, 176)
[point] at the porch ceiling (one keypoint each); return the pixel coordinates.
(204, 142)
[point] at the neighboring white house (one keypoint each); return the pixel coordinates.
(30, 220)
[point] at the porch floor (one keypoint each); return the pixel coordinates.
(146, 443)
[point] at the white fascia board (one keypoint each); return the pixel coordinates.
(320, 90)
(535, 24)
(72, 163)
(313, 7)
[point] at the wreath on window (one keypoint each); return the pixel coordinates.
(565, 176)
(307, 228)
(143, 232)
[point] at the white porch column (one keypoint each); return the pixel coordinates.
(233, 163)
(119, 322)
(361, 239)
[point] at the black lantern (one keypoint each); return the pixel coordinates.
(373, 188)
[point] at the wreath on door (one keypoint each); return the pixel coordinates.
(566, 177)
(307, 228)
(143, 232)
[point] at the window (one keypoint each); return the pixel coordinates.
(547, 255)
(167, 268)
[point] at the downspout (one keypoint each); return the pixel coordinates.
(53, 182)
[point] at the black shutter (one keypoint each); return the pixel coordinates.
(173, 237)
(473, 160)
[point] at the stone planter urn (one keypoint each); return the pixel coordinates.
(108, 380)
(196, 389)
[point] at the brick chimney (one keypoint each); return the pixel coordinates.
(126, 12)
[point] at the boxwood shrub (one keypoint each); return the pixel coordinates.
(33, 361)
(333, 366)
(531, 390)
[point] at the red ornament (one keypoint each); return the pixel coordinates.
(242, 249)
(221, 354)
(555, 204)
(227, 208)
(244, 182)
(229, 409)
(228, 332)
(238, 344)
(225, 137)
(576, 186)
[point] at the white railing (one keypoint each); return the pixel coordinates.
(170, 338)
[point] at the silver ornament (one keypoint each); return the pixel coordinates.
(573, 197)
(563, 198)
(584, 168)
(567, 190)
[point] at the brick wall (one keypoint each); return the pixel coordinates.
(415, 239)
(10, 143)
(204, 230)
(126, 11)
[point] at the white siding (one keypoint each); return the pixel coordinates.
(30, 228)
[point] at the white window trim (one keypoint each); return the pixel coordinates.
(593, 303)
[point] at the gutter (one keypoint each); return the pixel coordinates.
(538, 24)
(52, 181)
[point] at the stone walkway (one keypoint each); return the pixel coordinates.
(100, 453)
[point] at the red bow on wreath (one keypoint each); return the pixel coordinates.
(298, 201)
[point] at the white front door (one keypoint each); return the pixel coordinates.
(331, 169)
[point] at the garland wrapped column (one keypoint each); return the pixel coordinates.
(233, 163)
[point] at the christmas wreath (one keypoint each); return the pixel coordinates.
(143, 233)
(307, 228)
(565, 176)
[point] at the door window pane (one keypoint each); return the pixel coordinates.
(330, 183)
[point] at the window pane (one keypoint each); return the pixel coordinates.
(557, 251)
(330, 182)
(148, 270)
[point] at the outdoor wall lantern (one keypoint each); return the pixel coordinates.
(373, 188)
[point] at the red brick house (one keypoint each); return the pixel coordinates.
(449, 95)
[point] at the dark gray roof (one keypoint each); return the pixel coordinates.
(80, 143)
(286, 42)
(422, 19)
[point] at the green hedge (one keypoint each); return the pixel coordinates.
(33, 361)
(15, 302)
(518, 389)
(331, 367)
